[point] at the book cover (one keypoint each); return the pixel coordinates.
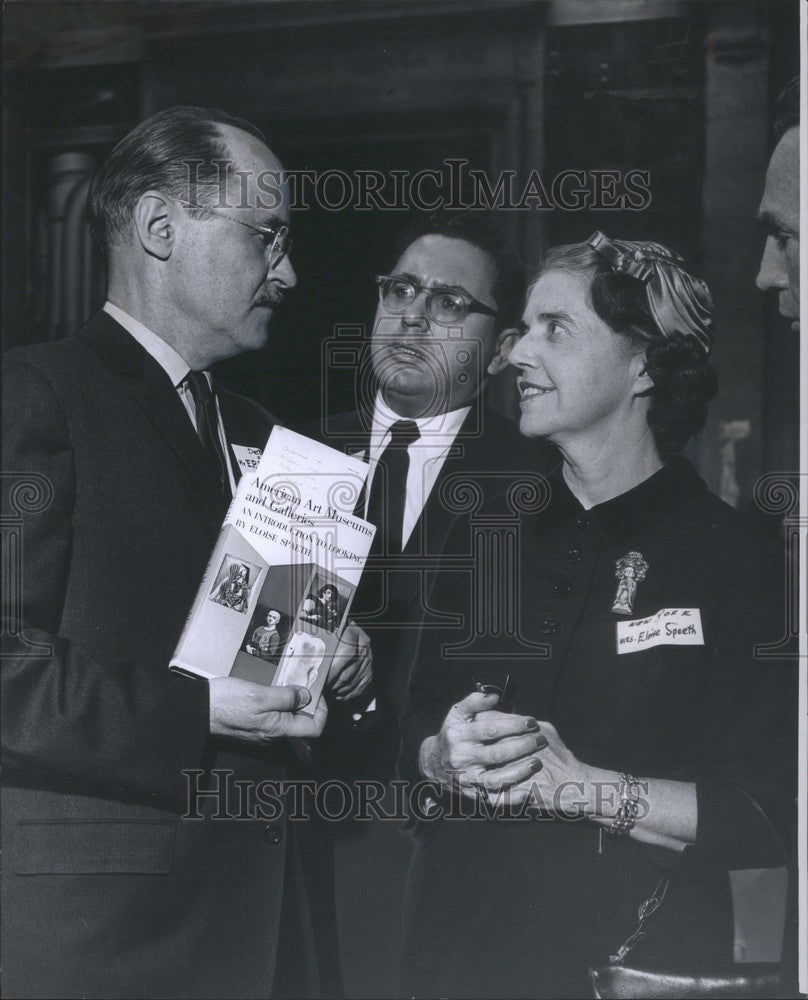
(277, 591)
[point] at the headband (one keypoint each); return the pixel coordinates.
(679, 303)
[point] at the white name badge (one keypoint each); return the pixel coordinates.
(668, 627)
(247, 458)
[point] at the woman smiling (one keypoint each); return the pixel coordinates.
(647, 735)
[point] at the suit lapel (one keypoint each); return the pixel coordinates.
(245, 423)
(364, 454)
(147, 384)
(350, 434)
(435, 519)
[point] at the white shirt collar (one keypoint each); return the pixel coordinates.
(439, 430)
(163, 353)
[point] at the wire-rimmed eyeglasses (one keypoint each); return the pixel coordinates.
(276, 239)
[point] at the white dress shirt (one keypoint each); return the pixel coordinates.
(426, 455)
(177, 369)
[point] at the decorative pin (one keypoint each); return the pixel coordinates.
(630, 570)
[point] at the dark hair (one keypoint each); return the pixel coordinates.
(158, 153)
(787, 110)
(684, 381)
(478, 229)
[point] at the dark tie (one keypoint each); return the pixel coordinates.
(207, 425)
(388, 491)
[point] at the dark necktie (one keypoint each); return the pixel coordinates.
(388, 491)
(207, 425)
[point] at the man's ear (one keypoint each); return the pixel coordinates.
(506, 340)
(154, 222)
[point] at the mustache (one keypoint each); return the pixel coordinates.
(271, 297)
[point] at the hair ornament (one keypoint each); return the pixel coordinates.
(679, 302)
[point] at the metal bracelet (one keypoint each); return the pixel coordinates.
(628, 809)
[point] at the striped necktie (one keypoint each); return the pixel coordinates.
(207, 425)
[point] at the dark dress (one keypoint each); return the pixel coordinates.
(520, 908)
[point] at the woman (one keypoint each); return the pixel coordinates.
(324, 611)
(645, 738)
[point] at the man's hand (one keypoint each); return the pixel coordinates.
(242, 710)
(480, 748)
(351, 669)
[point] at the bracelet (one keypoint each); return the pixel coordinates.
(629, 806)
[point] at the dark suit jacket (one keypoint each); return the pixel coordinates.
(107, 890)
(488, 452)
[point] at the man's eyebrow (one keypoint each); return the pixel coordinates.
(771, 221)
(419, 280)
(271, 221)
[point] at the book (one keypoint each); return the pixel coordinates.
(277, 591)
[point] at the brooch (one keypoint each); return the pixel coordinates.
(630, 570)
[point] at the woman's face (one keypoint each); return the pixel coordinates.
(578, 376)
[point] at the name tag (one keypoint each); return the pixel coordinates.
(668, 627)
(247, 458)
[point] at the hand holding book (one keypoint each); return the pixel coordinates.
(257, 713)
(269, 626)
(351, 670)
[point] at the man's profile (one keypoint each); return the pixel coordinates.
(103, 745)
(780, 210)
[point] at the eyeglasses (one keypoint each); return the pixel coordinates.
(276, 239)
(444, 305)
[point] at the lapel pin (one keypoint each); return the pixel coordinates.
(630, 570)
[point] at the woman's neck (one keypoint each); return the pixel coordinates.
(597, 471)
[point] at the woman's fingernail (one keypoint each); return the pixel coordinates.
(532, 725)
(541, 742)
(535, 765)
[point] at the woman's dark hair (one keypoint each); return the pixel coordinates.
(684, 381)
(179, 151)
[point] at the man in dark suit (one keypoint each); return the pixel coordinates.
(448, 313)
(779, 212)
(121, 876)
